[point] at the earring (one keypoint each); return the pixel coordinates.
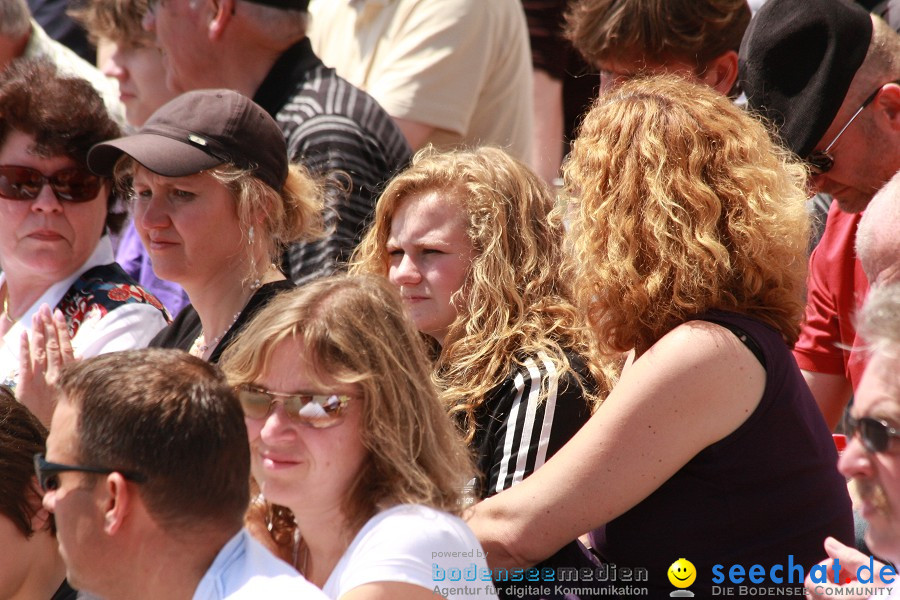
(250, 236)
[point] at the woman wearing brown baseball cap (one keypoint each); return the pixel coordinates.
(215, 200)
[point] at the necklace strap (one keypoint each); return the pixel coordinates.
(200, 345)
(6, 314)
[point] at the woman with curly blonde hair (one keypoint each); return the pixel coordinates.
(466, 238)
(689, 235)
(359, 470)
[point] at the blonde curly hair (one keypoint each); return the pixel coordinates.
(683, 203)
(516, 301)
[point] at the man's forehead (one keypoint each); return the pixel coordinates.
(879, 391)
(63, 437)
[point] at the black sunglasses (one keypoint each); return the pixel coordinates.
(315, 410)
(821, 161)
(48, 472)
(69, 185)
(874, 434)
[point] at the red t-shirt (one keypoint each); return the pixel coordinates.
(837, 288)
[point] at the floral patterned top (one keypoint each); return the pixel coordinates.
(105, 309)
(100, 290)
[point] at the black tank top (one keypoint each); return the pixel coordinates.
(767, 491)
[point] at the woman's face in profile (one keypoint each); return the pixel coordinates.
(19, 557)
(298, 466)
(430, 256)
(138, 67)
(189, 226)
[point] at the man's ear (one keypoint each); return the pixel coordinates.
(222, 12)
(887, 107)
(40, 520)
(721, 72)
(116, 502)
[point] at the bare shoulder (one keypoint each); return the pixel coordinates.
(703, 345)
(702, 371)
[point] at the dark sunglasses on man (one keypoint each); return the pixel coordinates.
(821, 161)
(874, 434)
(48, 472)
(73, 184)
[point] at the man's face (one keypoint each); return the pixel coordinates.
(182, 38)
(77, 510)
(877, 475)
(865, 156)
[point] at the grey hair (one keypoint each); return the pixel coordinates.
(15, 18)
(877, 243)
(878, 321)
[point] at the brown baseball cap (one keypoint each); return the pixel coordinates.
(199, 130)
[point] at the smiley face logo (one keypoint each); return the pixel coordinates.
(682, 573)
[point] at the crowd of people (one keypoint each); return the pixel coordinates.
(314, 308)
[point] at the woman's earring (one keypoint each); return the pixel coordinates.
(250, 236)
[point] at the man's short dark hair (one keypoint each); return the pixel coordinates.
(694, 31)
(172, 418)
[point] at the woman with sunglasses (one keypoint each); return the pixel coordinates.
(689, 233)
(54, 217)
(359, 470)
(214, 201)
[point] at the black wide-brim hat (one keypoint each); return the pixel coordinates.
(797, 60)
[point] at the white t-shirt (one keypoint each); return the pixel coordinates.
(417, 545)
(245, 570)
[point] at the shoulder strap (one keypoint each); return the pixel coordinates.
(745, 339)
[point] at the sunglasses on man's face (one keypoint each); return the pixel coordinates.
(319, 411)
(48, 472)
(821, 161)
(69, 185)
(874, 434)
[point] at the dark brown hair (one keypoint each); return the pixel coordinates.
(695, 31)
(172, 418)
(21, 437)
(64, 114)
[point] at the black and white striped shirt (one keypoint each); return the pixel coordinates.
(516, 433)
(338, 130)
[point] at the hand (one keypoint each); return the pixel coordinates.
(41, 361)
(850, 560)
